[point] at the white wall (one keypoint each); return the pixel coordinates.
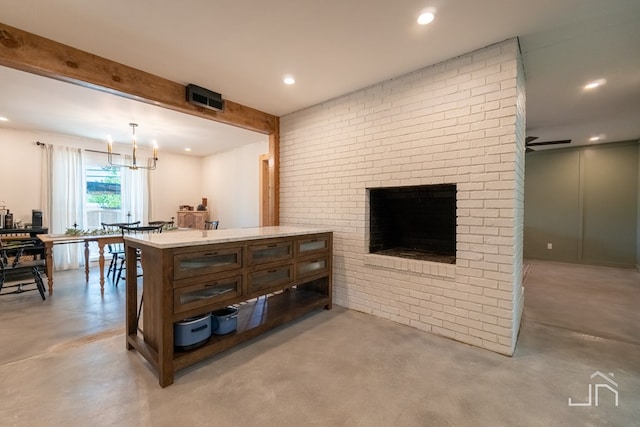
(176, 181)
(518, 202)
(459, 122)
(231, 184)
(19, 173)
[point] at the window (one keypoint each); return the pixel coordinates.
(112, 194)
(103, 196)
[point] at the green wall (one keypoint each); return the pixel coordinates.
(584, 201)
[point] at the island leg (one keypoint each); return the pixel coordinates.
(131, 299)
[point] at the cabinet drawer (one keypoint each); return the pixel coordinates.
(205, 262)
(312, 267)
(269, 278)
(203, 294)
(312, 245)
(269, 252)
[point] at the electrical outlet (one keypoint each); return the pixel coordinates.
(549, 245)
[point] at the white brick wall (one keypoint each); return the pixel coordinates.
(460, 122)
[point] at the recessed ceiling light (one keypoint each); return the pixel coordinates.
(426, 18)
(597, 137)
(594, 84)
(289, 80)
(187, 149)
(3, 119)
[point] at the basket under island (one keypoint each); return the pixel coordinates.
(271, 274)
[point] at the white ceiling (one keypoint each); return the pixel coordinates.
(332, 47)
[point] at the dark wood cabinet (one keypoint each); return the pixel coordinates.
(270, 280)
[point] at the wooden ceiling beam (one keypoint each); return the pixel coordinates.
(28, 52)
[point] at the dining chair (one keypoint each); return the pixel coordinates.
(211, 225)
(136, 229)
(116, 250)
(17, 266)
(165, 224)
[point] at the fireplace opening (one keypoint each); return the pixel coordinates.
(416, 222)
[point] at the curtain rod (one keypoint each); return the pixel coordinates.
(42, 144)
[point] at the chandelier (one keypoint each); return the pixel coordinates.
(134, 165)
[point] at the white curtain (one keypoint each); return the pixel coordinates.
(135, 194)
(66, 202)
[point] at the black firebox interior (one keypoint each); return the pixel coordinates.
(417, 222)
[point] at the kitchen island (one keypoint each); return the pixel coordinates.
(272, 275)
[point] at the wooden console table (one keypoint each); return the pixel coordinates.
(21, 233)
(195, 272)
(192, 219)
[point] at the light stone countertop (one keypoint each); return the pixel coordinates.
(182, 238)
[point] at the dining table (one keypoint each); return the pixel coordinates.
(50, 240)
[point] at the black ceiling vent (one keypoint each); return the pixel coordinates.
(202, 97)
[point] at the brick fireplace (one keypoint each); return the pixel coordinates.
(459, 122)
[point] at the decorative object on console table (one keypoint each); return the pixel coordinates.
(8, 220)
(192, 219)
(203, 206)
(3, 212)
(36, 218)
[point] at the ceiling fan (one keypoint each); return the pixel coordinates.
(528, 142)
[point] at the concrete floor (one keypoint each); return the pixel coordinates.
(63, 363)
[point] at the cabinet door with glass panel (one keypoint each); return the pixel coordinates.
(270, 251)
(211, 260)
(211, 291)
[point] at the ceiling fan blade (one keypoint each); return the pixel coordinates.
(562, 141)
(529, 139)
